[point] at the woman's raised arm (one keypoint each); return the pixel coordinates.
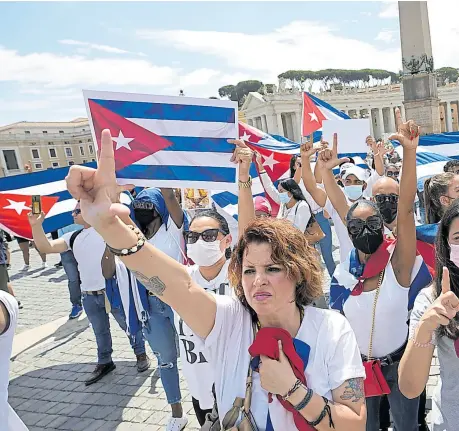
(98, 193)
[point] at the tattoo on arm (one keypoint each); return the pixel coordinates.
(153, 284)
(354, 390)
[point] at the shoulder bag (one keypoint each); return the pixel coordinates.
(241, 406)
(375, 384)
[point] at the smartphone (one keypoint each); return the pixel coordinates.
(36, 204)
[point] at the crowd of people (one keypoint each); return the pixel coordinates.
(264, 342)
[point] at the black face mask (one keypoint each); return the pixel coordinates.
(388, 206)
(368, 241)
(144, 217)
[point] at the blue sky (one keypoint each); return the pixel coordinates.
(50, 51)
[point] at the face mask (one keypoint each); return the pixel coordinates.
(388, 211)
(353, 192)
(205, 253)
(144, 217)
(454, 255)
(284, 197)
(368, 241)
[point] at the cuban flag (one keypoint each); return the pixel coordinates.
(56, 200)
(165, 141)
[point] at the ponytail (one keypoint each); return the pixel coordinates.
(434, 188)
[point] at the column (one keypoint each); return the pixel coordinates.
(298, 131)
(402, 111)
(250, 121)
(370, 118)
(380, 122)
(264, 123)
(280, 127)
(391, 120)
(448, 117)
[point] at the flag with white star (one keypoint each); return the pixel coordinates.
(14, 209)
(164, 141)
(312, 116)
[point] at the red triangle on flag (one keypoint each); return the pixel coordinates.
(131, 142)
(14, 210)
(312, 116)
(276, 164)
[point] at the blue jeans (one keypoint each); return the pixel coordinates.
(404, 411)
(71, 269)
(160, 333)
(326, 242)
(94, 306)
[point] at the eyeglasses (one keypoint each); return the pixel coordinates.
(393, 198)
(392, 174)
(356, 225)
(76, 211)
(209, 235)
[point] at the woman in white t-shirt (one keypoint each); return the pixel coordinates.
(208, 244)
(276, 276)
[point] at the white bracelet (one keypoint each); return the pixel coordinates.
(417, 343)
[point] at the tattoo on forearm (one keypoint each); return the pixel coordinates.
(153, 284)
(354, 390)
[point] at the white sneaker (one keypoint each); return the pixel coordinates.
(44, 265)
(177, 424)
(25, 268)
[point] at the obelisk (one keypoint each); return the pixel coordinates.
(419, 80)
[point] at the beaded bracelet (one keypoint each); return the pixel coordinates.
(291, 390)
(412, 338)
(134, 249)
(305, 401)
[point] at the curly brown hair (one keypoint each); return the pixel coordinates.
(289, 249)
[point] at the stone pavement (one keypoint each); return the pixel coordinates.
(47, 379)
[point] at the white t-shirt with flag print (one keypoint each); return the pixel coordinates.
(334, 358)
(197, 370)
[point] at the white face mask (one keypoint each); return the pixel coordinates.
(454, 255)
(205, 253)
(284, 198)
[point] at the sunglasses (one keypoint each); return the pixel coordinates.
(356, 225)
(380, 199)
(76, 211)
(392, 174)
(209, 235)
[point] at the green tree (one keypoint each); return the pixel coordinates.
(450, 73)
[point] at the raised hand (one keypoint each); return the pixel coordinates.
(407, 132)
(444, 308)
(242, 155)
(97, 189)
(307, 150)
(259, 160)
(370, 141)
(36, 219)
(329, 158)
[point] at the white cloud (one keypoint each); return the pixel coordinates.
(298, 45)
(390, 10)
(366, 13)
(87, 46)
(57, 71)
(386, 35)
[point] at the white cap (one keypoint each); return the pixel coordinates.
(345, 166)
(357, 171)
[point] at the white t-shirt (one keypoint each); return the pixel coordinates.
(345, 243)
(88, 249)
(334, 358)
(391, 329)
(196, 368)
(7, 414)
(299, 214)
(170, 240)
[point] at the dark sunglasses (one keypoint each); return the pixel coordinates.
(209, 235)
(76, 211)
(356, 225)
(380, 199)
(392, 174)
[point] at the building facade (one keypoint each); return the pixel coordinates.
(30, 147)
(280, 113)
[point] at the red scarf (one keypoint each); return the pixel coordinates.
(266, 343)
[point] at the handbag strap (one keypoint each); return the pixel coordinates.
(378, 288)
(249, 380)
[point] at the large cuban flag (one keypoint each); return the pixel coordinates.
(166, 141)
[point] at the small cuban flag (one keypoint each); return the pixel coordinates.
(167, 141)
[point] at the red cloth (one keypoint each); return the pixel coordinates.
(427, 251)
(266, 343)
